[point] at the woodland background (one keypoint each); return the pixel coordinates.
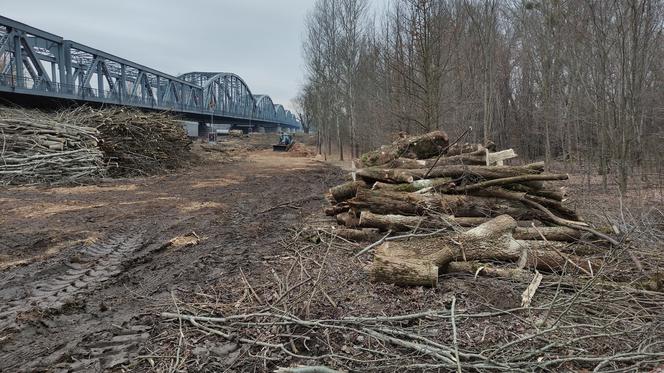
(577, 83)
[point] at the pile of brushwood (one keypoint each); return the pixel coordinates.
(422, 183)
(135, 143)
(47, 148)
(79, 145)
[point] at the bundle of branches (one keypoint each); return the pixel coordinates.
(310, 309)
(137, 143)
(40, 148)
(464, 185)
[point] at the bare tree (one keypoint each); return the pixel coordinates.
(558, 80)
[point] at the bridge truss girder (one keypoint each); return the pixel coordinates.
(33, 61)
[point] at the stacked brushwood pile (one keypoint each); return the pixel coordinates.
(135, 143)
(419, 184)
(45, 148)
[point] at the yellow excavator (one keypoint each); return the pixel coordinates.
(285, 143)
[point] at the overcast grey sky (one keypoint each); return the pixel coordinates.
(257, 39)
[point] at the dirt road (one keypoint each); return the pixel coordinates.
(86, 269)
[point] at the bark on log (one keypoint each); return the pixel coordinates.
(414, 186)
(402, 223)
(485, 269)
(358, 235)
(402, 271)
(546, 213)
(559, 194)
(490, 241)
(389, 202)
(652, 283)
(458, 149)
(485, 172)
(337, 209)
(504, 181)
(465, 159)
(348, 219)
(394, 176)
(416, 147)
(563, 213)
(498, 227)
(347, 190)
(537, 166)
(399, 175)
(563, 234)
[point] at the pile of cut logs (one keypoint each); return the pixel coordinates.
(422, 184)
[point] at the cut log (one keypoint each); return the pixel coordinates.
(537, 166)
(564, 234)
(414, 186)
(348, 219)
(498, 227)
(485, 172)
(458, 149)
(384, 202)
(387, 202)
(490, 241)
(562, 213)
(477, 268)
(402, 271)
(557, 206)
(653, 283)
(337, 209)
(401, 223)
(400, 175)
(464, 159)
(358, 235)
(347, 190)
(394, 176)
(503, 181)
(412, 204)
(559, 194)
(416, 147)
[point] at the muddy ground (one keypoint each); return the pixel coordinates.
(87, 272)
(86, 269)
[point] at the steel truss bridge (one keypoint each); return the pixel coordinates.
(41, 68)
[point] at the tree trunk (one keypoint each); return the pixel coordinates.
(347, 190)
(402, 271)
(550, 234)
(414, 186)
(490, 241)
(387, 202)
(408, 163)
(396, 176)
(348, 219)
(416, 147)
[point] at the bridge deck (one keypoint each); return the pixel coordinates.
(45, 67)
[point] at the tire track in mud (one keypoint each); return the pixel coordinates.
(54, 287)
(89, 269)
(109, 352)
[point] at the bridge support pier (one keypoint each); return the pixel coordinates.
(203, 130)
